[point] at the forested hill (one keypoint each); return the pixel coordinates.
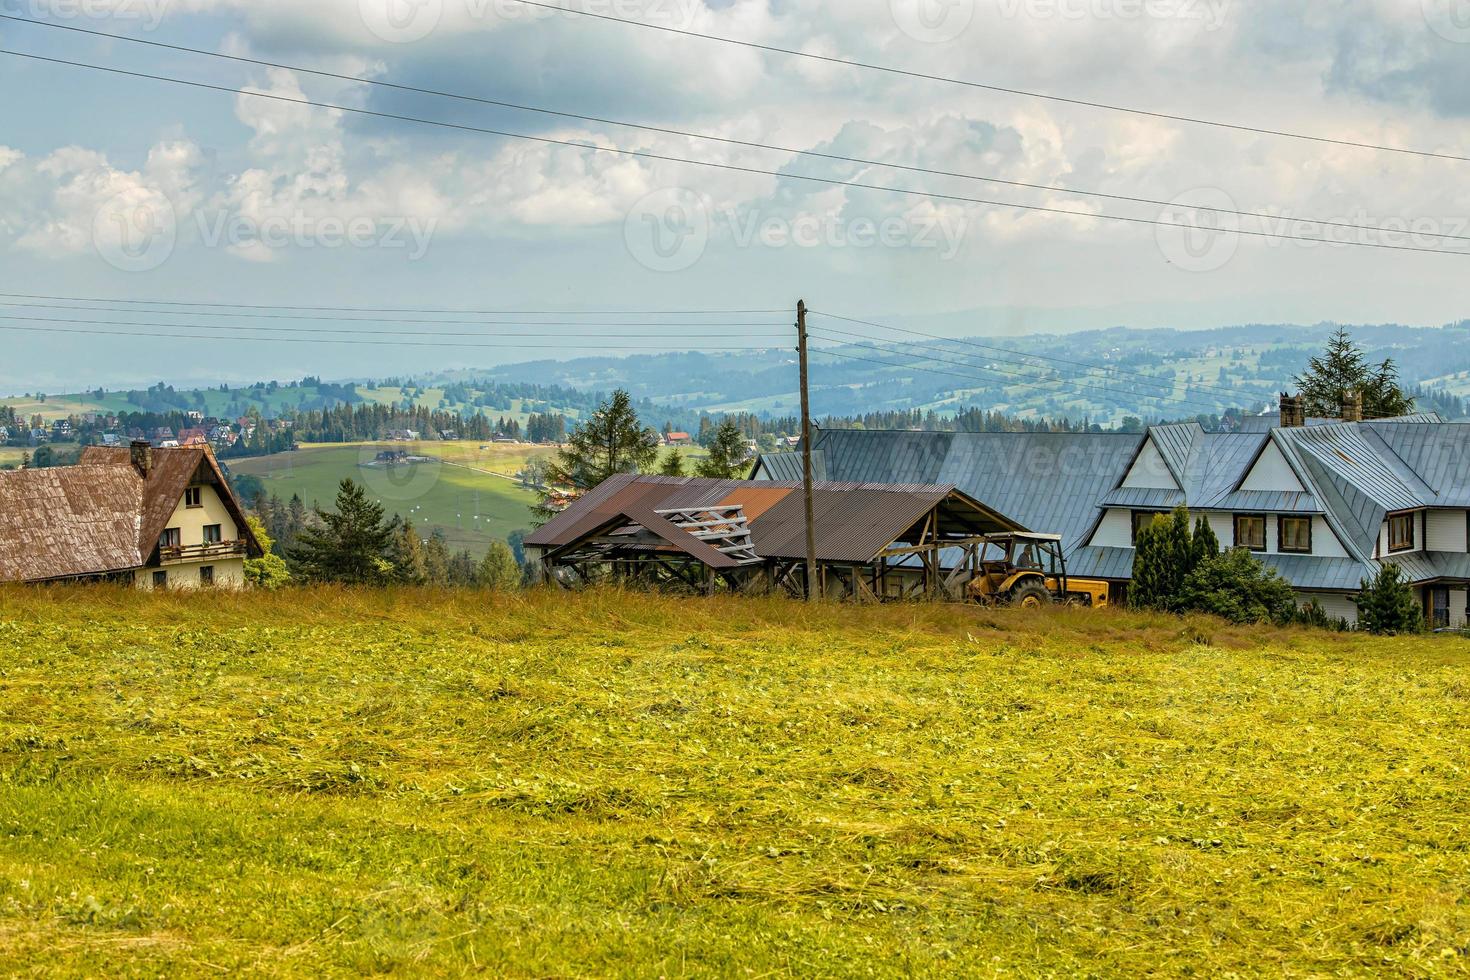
(1102, 377)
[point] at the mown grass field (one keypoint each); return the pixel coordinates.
(324, 783)
(465, 490)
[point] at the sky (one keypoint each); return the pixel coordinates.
(122, 188)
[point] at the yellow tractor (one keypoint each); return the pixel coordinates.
(1028, 570)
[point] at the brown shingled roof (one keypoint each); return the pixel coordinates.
(100, 516)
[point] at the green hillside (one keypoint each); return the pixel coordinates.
(331, 783)
(464, 490)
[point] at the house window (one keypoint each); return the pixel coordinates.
(160, 580)
(213, 534)
(1143, 518)
(171, 538)
(1250, 532)
(1401, 532)
(1294, 535)
(194, 497)
(206, 575)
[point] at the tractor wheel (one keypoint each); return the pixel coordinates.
(1031, 595)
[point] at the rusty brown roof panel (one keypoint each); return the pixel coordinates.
(854, 521)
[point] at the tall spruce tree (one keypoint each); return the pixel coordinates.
(1343, 368)
(672, 464)
(1206, 544)
(611, 441)
(408, 556)
(1387, 606)
(1163, 556)
(350, 545)
(727, 453)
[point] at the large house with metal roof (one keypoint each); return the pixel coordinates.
(1325, 502)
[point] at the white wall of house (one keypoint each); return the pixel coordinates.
(1271, 472)
(1115, 529)
(191, 521)
(229, 573)
(1336, 606)
(1448, 530)
(1149, 471)
(1421, 520)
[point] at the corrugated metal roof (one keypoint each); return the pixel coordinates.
(1316, 572)
(1093, 561)
(1050, 482)
(1434, 452)
(853, 521)
(788, 466)
(1345, 455)
(1149, 498)
(1269, 501)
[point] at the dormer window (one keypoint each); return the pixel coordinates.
(1401, 532)
(194, 497)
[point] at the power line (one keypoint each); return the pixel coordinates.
(374, 319)
(328, 340)
(867, 66)
(749, 144)
(667, 158)
(392, 309)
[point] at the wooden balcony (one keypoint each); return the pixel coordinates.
(203, 552)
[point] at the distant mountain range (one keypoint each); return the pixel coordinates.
(1103, 376)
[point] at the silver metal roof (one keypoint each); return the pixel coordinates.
(1050, 481)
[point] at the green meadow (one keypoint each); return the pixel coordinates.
(327, 783)
(463, 490)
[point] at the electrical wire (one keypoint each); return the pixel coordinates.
(749, 144)
(867, 66)
(394, 309)
(328, 340)
(371, 319)
(668, 158)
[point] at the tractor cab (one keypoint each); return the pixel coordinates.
(1029, 570)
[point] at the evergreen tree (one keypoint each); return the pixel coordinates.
(408, 556)
(463, 571)
(672, 464)
(350, 545)
(1163, 555)
(611, 441)
(1387, 606)
(436, 559)
(727, 453)
(499, 570)
(1343, 368)
(1206, 544)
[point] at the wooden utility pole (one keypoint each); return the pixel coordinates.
(813, 582)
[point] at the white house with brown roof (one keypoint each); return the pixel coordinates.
(158, 518)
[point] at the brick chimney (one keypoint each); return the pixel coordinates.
(1352, 406)
(141, 453)
(1293, 412)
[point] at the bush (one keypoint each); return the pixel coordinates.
(1237, 587)
(1163, 556)
(1312, 614)
(1387, 606)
